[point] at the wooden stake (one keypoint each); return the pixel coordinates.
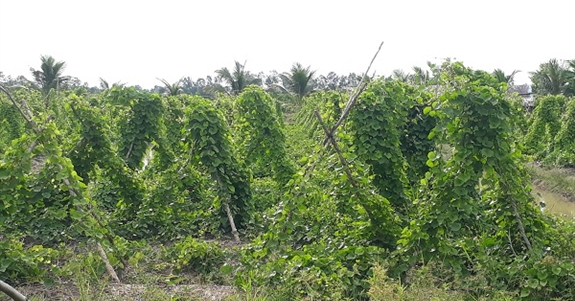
(109, 267)
(232, 223)
(330, 139)
(520, 223)
(225, 199)
(352, 100)
(344, 163)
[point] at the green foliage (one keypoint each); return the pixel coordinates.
(237, 80)
(165, 168)
(265, 196)
(11, 124)
(209, 142)
(39, 190)
(298, 82)
(320, 230)
(260, 137)
(318, 271)
(142, 125)
(19, 263)
(564, 143)
(50, 76)
(175, 207)
(539, 140)
(375, 124)
(191, 255)
(553, 77)
(546, 274)
(416, 141)
(421, 287)
(168, 147)
(329, 103)
(428, 283)
(480, 188)
(94, 147)
(122, 192)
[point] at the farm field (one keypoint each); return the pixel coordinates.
(288, 186)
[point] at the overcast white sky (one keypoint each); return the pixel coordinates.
(137, 41)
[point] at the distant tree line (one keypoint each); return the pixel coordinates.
(554, 77)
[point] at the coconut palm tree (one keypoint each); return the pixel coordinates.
(504, 78)
(551, 78)
(104, 85)
(328, 82)
(570, 89)
(298, 82)
(400, 75)
(237, 80)
(172, 89)
(420, 76)
(188, 85)
(50, 76)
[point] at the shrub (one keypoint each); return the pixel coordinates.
(191, 255)
(19, 263)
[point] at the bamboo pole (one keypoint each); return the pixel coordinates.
(11, 292)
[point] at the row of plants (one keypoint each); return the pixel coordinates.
(456, 200)
(551, 134)
(412, 179)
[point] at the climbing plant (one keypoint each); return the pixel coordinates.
(539, 140)
(93, 147)
(11, 124)
(479, 188)
(141, 127)
(564, 143)
(168, 146)
(41, 192)
(415, 140)
(329, 103)
(174, 207)
(376, 123)
(208, 139)
(259, 135)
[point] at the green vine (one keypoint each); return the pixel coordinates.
(11, 124)
(142, 126)
(209, 142)
(545, 126)
(259, 135)
(564, 143)
(480, 187)
(94, 147)
(376, 123)
(415, 140)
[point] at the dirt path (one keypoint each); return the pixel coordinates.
(134, 292)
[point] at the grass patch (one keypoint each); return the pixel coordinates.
(187, 270)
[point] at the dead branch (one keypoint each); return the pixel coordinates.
(80, 141)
